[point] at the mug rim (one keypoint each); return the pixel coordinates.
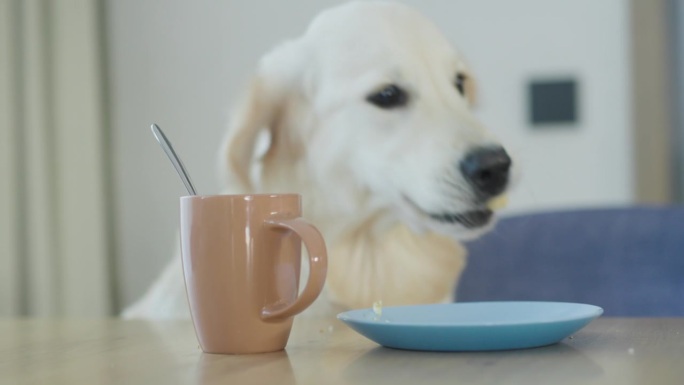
(241, 196)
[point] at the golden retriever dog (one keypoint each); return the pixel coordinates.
(368, 116)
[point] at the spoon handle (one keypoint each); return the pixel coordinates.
(168, 149)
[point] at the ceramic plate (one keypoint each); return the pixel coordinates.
(472, 326)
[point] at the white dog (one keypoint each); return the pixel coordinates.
(368, 116)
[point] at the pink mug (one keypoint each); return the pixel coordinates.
(241, 261)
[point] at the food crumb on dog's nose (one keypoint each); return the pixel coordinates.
(498, 202)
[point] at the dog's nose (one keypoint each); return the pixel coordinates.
(486, 169)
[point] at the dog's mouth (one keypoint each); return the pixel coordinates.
(469, 219)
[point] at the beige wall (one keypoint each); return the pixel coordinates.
(652, 101)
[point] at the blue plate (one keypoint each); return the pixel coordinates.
(472, 326)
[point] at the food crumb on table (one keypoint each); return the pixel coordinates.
(377, 308)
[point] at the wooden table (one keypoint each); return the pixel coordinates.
(324, 351)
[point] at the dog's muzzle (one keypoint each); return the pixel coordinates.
(487, 170)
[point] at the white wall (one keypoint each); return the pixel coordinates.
(180, 63)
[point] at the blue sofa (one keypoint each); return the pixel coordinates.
(628, 260)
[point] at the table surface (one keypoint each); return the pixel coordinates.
(325, 351)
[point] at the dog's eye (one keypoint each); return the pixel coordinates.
(460, 83)
(391, 96)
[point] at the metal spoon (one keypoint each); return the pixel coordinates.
(168, 149)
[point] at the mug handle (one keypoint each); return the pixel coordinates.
(318, 261)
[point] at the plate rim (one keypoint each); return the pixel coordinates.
(592, 312)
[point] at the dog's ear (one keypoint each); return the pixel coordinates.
(255, 112)
(262, 104)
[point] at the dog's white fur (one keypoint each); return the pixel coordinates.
(368, 176)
